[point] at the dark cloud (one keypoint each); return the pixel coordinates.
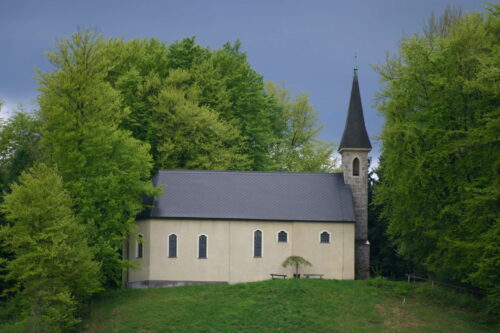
(308, 45)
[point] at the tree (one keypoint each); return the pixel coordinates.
(149, 76)
(139, 68)
(223, 83)
(53, 267)
(300, 149)
(441, 187)
(105, 170)
(189, 136)
(229, 86)
(19, 146)
(295, 261)
(384, 258)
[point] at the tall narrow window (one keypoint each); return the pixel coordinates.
(282, 237)
(324, 237)
(172, 246)
(257, 244)
(138, 247)
(202, 247)
(355, 167)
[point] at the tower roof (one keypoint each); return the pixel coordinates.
(355, 135)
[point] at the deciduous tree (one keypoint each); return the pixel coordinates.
(221, 81)
(104, 168)
(190, 136)
(300, 149)
(231, 87)
(19, 139)
(53, 267)
(441, 149)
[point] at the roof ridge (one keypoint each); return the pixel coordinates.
(247, 172)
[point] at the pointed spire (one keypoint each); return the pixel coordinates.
(355, 135)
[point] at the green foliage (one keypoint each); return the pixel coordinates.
(232, 88)
(384, 258)
(300, 150)
(160, 87)
(185, 54)
(105, 170)
(19, 137)
(239, 124)
(53, 267)
(291, 305)
(190, 136)
(441, 158)
(295, 261)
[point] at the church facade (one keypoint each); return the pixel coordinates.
(235, 226)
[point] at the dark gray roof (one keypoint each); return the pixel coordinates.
(355, 135)
(252, 196)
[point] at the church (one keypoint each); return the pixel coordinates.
(238, 226)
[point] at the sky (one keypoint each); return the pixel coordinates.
(309, 46)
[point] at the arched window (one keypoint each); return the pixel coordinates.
(202, 247)
(324, 237)
(172, 246)
(138, 247)
(355, 167)
(257, 244)
(282, 236)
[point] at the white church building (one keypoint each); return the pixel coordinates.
(238, 226)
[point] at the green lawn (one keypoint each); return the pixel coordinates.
(304, 305)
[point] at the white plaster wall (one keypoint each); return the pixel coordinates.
(230, 250)
(140, 271)
(187, 266)
(334, 259)
(243, 266)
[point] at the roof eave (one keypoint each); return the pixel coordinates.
(355, 149)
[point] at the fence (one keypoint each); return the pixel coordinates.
(413, 278)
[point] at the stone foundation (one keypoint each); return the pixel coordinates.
(162, 283)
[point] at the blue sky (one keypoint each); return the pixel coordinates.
(307, 45)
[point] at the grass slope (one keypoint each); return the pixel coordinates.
(304, 305)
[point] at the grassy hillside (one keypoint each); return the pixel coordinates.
(282, 306)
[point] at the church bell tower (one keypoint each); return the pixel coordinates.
(354, 148)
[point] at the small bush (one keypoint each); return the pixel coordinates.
(380, 282)
(402, 289)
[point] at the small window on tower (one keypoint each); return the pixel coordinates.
(355, 167)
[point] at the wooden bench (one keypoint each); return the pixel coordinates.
(313, 275)
(278, 276)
